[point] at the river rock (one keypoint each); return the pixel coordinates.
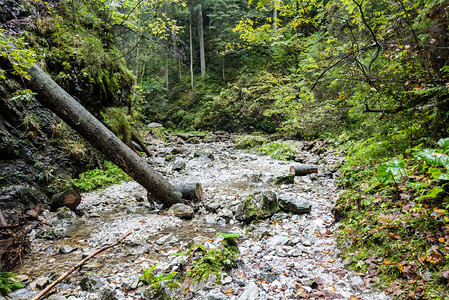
(182, 211)
(91, 282)
(167, 239)
(207, 284)
(284, 179)
(66, 249)
(296, 205)
(64, 213)
(215, 295)
(166, 289)
(155, 125)
(52, 233)
(260, 205)
(39, 284)
(179, 165)
(107, 292)
(211, 138)
(251, 292)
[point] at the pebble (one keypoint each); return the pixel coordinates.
(277, 254)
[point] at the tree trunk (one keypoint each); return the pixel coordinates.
(303, 170)
(201, 36)
(190, 191)
(75, 115)
(191, 52)
(70, 199)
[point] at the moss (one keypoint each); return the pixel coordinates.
(250, 142)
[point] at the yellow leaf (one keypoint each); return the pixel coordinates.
(441, 240)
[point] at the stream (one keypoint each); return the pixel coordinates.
(287, 256)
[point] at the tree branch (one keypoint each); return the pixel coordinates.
(78, 265)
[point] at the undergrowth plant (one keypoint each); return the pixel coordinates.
(395, 222)
(8, 284)
(97, 178)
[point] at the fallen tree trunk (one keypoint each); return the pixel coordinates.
(190, 191)
(303, 170)
(70, 199)
(84, 123)
(135, 137)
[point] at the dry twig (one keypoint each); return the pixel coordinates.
(48, 288)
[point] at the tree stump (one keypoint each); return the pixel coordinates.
(303, 170)
(70, 199)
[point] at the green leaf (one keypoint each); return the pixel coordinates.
(444, 143)
(390, 171)
(433, 193)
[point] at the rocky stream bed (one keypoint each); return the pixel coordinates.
(285, 256)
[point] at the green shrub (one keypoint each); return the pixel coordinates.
(249, 142)
(278, 150)
(7, 283)
(97, 178)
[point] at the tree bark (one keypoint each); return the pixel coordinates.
(303, 170)
(190, 191)
(70, 199)
(82, 121)
(201, 37)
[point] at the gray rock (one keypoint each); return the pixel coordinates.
(39, 284)
(65, 249)
(250, 293)
(226, 280)
(211, 138)
(52, 233)
(182, 211)
(284, 179)
(225, 214)
(107, 292)
(215, 295)
(254, 177)
(91, 282)
(167, 239)
(260, 205)
(164, 290)
(56, 297)
(213, 206)
(207, 284)
(155, 125)
(296, 205)
(64, 213)
(179, 165)
(357, 283)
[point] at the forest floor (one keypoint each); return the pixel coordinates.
(287, 256)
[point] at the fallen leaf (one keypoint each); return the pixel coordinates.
(331, 260)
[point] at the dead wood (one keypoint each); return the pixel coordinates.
(70, 199)
(78, 265)
(303, 170)
(190, 191)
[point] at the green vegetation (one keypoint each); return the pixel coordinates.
(214, 260)
(150, 278)
(278, 150)
(250, 142)
(97, 178)
(8, 284)
(395, 220)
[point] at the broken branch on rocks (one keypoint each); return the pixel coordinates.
(78, 265)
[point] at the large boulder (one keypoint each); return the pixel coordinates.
(182, 211)
(260, 205)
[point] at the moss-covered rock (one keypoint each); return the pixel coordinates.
(260, 205)
(164, 290)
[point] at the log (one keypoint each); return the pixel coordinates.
(190, 191)
(70, 199)
(136, 138)
(51, 95)
(303, 170)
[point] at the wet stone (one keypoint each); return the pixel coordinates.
(64, 213)
(284, 179)
(182, 211)
(65, 249)
(91, 282)
(167, 239)
(179, 165)
(251, 292)
(296, 205)
(39, 284)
